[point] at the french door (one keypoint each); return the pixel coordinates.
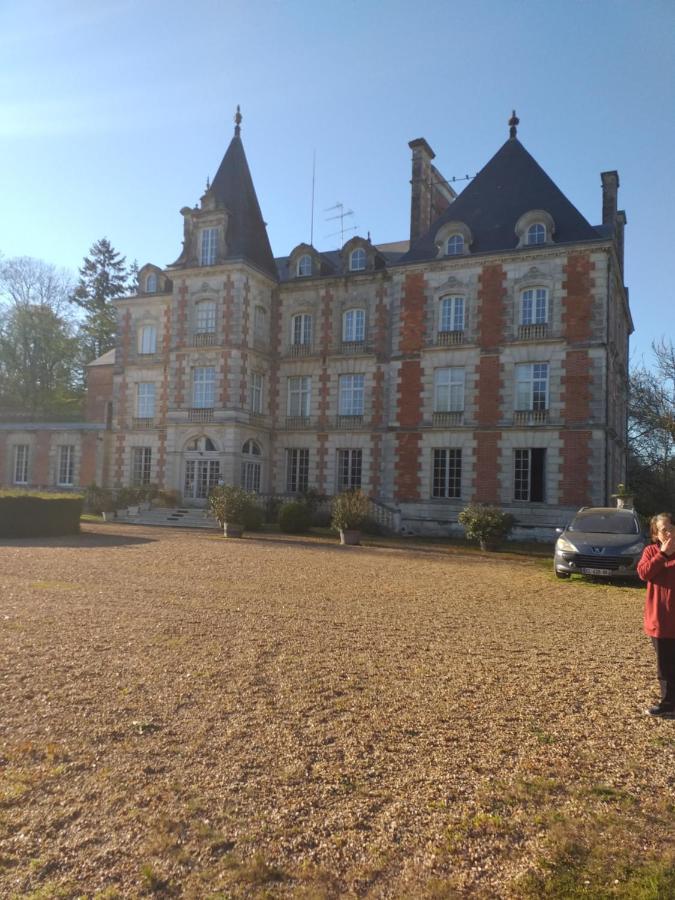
(200, 476)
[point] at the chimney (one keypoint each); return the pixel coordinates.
(420, 201)
(621, 221)
(610, 192)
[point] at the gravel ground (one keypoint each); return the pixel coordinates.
(183, 715)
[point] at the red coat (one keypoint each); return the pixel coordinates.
(658, 571)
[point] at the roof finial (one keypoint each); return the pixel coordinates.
(513, 122)
(208, 183)
(237, 122)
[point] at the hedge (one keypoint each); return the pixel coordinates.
(24, 514)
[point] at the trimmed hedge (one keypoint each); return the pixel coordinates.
(24, 514)
(294, 517)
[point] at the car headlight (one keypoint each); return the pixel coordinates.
(638, 547)
(564, 545)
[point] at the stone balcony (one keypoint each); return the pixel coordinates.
(530, 417)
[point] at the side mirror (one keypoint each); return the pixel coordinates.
(559, 530)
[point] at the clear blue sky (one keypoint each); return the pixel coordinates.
(113, 113)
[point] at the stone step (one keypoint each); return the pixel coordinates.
(172, 518)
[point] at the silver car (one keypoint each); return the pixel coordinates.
(601, 541)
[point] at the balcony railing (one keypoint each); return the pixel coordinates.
(448, 338)
(200, 415)
(204, 339)
(143, 422)
(448, 418)
(532, 332)
(530, 417)
(304, 349)
(346, 423)
(350, 347)
(298, 423)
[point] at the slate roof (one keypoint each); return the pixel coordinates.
(509, 185)
(233, 187)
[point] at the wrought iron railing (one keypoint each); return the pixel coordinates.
(200, 415)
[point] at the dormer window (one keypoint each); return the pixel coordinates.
(536, 233)
(304, 267)
(209, 243)
(151, 283)
(455, 245)
(357, 260)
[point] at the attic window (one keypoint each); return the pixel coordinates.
(151, 283)
(357, 260)
(536, 233)
(209, 237)
(304, 266)
(455, 245)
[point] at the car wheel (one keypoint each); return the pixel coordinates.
(561, 574)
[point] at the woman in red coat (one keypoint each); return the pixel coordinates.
(657, 568)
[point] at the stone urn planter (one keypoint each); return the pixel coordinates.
(349, 510)
(350, 536)
(108, 515)
(233, 529)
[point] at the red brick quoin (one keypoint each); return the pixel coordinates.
(412, 313)
(576, 387)
(487, 467)
(575, 489)
(577, 306)
(407, 485)
(491, 294)
(489, 390)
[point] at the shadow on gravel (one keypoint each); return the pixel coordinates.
(82, 541)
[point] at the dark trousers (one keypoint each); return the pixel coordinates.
(665, 668)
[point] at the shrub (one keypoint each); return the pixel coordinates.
(350, 510)
(489, 525)
(271, 510)
(98, 499)
(24, 514)
(294, 517)
(167, 498)
(128, 496)
(230, 504)
(253, 517)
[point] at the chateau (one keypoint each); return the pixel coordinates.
(484, 359)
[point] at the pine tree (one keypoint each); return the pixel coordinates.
(103, 276)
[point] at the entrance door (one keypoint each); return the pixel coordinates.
(200, 476)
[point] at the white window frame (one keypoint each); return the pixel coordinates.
(357, 260)
(351, 390)
(208, 246)
(257, 392)
(65, 475)
(446, 473)
(451, 313)
(304, 267)
(534, 306)
(535, 234)
(354, 326)
(449, 391)
(251, 466)
(147, 339)
(301, 329)
(299, 396)
(146, 393)
(454, 246)
(203, 387)
(141, 465)
(205, 317)
(532, 387)
(349, 469)
(20, 468)
(297, 469)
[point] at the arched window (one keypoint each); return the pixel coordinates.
(455, 245)
(206, 317)
(251, 466)
(357, 260)
(205, 444)
(536, 233)
(304, 266)
(354, 326)
(151, 283)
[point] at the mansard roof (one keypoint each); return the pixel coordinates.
(509, 185)
(233, 188)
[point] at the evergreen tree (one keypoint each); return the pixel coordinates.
(103, 276)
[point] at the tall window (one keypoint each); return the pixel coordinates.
(260, 324)
(301, 329)
(357, 260)
(534, 306)
(66, 465)
(349, 468)
(536, 234)
(257, 379)
(455, 245)
(147, 339)
(206, 317)
(350, 401)
(209, 242)
(151, 283)
(297, 470)
(141, 465)
(251, 467)
(299, 395)
(447, 474)
(305, 265)
(354, 326)
(21, 464)
(145, 400)
(449, 389)
(203, 387)
(529, 466)
(451, 314)
(532, 386)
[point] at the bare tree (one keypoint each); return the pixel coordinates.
(25, 281)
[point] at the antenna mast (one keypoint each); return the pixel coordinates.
(342, 215)
(311, 229)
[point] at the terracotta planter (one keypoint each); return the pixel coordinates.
(233, 530)
(350, 536)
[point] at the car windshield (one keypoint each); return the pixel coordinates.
(605, 523)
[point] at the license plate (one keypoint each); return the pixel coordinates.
(597, 572)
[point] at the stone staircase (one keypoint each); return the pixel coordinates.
(180, 517)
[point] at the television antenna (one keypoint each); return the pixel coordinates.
(341, 215)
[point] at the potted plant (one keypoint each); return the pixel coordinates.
(229, 504)
(348, 512)
(489, 525)
(623, 497)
